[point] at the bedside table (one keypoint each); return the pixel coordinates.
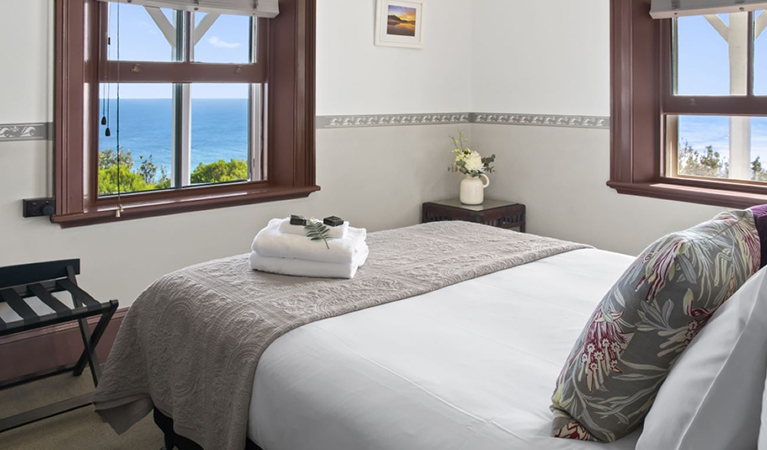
(496, 213)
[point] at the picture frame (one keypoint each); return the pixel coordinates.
(399, 23)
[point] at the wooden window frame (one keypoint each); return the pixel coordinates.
(288, 44)
(641, 79)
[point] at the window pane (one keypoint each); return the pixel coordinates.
(722, 147)
(146, 136)
(760, 53)
(220, 133)
(704, 146)
(141, 38)
(712, 55)
(226, 40)
(759, 149)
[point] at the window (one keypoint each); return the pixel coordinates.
(175, 135)
(711, 57)
(689, 105)
(164, 110)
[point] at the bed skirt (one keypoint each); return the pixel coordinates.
(172, 440)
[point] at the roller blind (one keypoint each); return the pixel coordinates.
(259, 8)
(666, 9)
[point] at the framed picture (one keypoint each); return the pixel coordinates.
(399, 23)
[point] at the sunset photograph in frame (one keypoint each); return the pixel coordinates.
(400, 23)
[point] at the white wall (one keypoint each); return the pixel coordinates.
(552, 57)
(355, 77)
(548, 57)
(25, 78)
(376, 177)
(541, 57)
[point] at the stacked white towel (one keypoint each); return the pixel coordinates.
(338, 232)
(280, 248)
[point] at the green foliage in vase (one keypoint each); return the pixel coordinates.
(468, 161)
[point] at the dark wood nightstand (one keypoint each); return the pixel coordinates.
(496, 213)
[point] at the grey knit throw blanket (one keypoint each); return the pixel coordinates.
(191, 342)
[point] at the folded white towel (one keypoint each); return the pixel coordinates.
(272, 244)
(303, 268)
(338, 232)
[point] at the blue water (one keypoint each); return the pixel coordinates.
(219, 130)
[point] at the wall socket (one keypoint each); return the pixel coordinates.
(39, 207)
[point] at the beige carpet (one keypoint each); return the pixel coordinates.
(81, 429)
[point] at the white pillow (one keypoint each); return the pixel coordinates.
(712, 398)
(763, 430)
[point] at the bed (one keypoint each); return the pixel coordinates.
(451, 337)
(470, 366)
(479, 375)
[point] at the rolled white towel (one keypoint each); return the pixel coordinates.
(270, 242)
(314, 269)
(338, 232)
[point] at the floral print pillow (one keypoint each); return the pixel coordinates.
(645, 322)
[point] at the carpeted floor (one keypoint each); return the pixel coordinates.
(81, 429)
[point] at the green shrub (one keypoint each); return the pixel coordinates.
(220, 172)
(146, 179)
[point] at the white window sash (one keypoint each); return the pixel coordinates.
(668, 9)
(257, 8)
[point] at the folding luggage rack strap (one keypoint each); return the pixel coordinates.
(19, 284)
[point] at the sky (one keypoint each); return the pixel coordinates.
(403, 12)
(704, 59)
(140, 39)
(704, 70)
(703, 65)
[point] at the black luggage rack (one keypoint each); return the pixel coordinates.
(42, 280)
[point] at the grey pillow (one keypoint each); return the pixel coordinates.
(645, 322)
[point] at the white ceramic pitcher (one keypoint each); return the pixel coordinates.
(473, 189)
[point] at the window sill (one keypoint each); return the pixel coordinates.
(142, 208)
(691, 194)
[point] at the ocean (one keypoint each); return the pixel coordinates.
(219, 130)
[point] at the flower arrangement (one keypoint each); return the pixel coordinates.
(468, 161)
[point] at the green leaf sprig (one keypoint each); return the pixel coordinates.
(317, 231)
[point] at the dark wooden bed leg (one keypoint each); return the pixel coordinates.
(165, 425)
(169, 442)
(174, 441)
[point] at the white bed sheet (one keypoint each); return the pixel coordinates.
(469, 367)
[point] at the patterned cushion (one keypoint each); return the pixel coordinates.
(760, 217)
(646, 321)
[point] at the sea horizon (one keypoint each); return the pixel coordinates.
(219, 130)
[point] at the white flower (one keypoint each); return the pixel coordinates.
(474, 163)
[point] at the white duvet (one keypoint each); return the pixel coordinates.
(468, 367)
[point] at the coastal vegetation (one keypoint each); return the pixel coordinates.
(146, 176)
(711, 164)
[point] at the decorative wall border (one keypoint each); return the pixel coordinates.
(542, 120)
(390, 120)
(43, 131)
(25, 132)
